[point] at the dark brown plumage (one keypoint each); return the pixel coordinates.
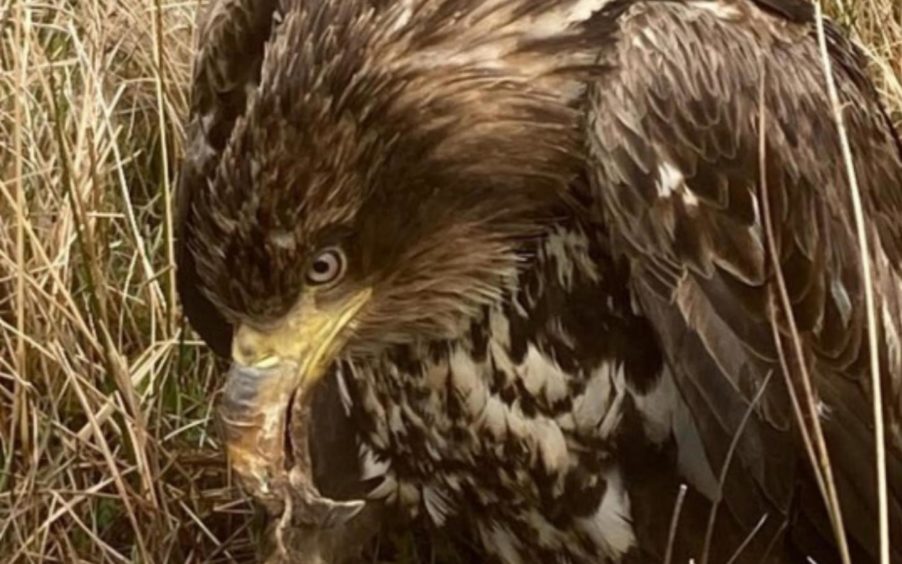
(553, 299)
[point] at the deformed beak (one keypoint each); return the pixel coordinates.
(271, 372)
(253, 411)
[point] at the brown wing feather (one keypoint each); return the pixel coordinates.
(675, 140)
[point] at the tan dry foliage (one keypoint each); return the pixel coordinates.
(106, 449)
(105, 445)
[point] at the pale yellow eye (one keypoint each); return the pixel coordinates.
(327, 268)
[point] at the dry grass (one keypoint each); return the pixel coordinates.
(106, 450)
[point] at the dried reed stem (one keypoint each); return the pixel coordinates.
(871, 309)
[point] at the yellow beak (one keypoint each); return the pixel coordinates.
(269, 368)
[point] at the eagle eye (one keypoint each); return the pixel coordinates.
(327, 268)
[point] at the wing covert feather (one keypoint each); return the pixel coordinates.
(679, 179)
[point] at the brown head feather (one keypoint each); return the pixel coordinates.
(427, 146)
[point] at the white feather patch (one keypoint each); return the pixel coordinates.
(565, 18)
(570, 251)
(723, 9)
(590, 407)
(614, 413)
(371, 466)
(466, 377)
(494, 417)
(670, 178)
(437, 505)
(657, 408)
(500, 328)
(609, 527)
(387, 489)
(538, 371)
(689, 197)
(552, 446)
(343, 394)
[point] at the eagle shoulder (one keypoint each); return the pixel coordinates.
(714, 113)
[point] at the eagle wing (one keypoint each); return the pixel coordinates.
(232, 35)
(681, 168)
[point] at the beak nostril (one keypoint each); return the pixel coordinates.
(244, 354)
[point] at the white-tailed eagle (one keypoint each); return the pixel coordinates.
(521, 269)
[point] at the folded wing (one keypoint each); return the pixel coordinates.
(682, 167)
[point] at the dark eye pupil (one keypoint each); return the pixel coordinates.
(321, 266)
